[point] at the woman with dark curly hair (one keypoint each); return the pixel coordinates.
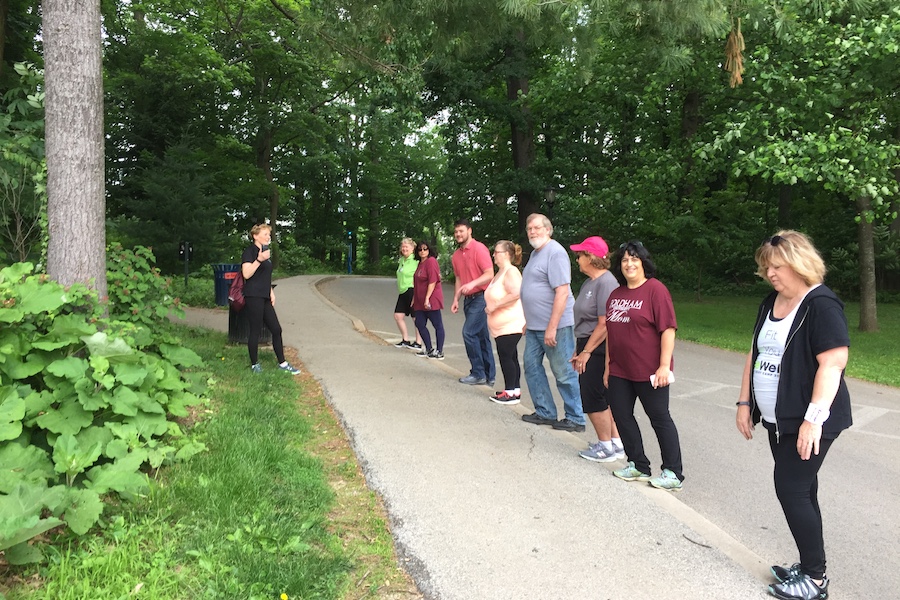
(640, 326)
(428, 300)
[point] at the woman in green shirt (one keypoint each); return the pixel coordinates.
(406, 268)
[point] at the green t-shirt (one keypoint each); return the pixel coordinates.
(405, 271)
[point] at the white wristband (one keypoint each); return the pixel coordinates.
(816, 414)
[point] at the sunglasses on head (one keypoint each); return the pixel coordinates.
(637, 243)
(773, 241)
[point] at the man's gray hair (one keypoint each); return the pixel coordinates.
(544, 221)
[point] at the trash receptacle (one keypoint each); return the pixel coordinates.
(224, 274)
(239, 328)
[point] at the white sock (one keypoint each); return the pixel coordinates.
(607, 445)
(517, 391)
(617, 442)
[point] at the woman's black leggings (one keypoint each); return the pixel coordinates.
(507, 352)
(797, 486)
(259, 311)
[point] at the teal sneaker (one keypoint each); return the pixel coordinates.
(667, 480)
(630, 473)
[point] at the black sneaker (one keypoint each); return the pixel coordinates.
(402, 344)
(436, 355)
(538, 419)
(414, 345)
(423, 353)
(567, 425)
(800, 587)
(782, 574)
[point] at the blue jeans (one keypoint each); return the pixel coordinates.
(566, 377)
(478, 339)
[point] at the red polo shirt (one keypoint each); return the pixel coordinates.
(470, 263)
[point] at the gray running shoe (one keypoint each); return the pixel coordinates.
(597, 453)
(257, 368)
(800, 587)
(782, 574)
(288, 368)
(472, 380)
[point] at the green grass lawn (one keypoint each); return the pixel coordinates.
(727, 322)
(277, 505)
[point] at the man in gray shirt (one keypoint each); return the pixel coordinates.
(549, 328)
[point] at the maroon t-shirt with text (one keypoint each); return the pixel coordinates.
(635, 320)
(427, 272)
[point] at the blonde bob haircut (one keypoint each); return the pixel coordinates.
(795, 250)
(409, 241)
(257, 228)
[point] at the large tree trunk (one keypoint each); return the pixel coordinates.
(522, 133)
(76, 202)
(868, 310)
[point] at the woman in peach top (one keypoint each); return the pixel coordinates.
(506, 319)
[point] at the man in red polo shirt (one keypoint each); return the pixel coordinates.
(474, 270)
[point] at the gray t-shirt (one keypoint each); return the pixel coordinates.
(591, 303)
(547, 269)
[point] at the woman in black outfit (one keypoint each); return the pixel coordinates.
(260, 298)
(794, 383)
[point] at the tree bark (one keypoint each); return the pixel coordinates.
(785, 199)
(868, 310)
(76, 201)
(522, 133)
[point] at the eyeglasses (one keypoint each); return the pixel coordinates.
(534, 228)
(496, 252)
(773, 241)
(423, 249)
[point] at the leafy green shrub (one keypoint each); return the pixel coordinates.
(294, 259)
(200, 290)
(84, 406)
(137, 291)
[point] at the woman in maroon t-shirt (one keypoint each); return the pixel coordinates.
(640, 325)
(428, 300)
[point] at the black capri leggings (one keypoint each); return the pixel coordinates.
(507, 352)
(259, 311)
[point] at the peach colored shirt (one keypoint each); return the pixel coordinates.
(508, 319)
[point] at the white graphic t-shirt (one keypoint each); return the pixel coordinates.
(771, 342)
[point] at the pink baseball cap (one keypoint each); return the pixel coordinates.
(594, 244)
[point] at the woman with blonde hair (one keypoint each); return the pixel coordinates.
(793, 382)
(406, 270)
(505, 318)
(256, 267)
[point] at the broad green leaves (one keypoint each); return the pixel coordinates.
(83, 408)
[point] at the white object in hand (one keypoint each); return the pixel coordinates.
(653, 378)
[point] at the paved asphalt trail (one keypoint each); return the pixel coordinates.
(486, 506)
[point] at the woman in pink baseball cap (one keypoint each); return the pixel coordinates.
(589, 359)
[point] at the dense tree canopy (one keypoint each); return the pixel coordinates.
(350, 125)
